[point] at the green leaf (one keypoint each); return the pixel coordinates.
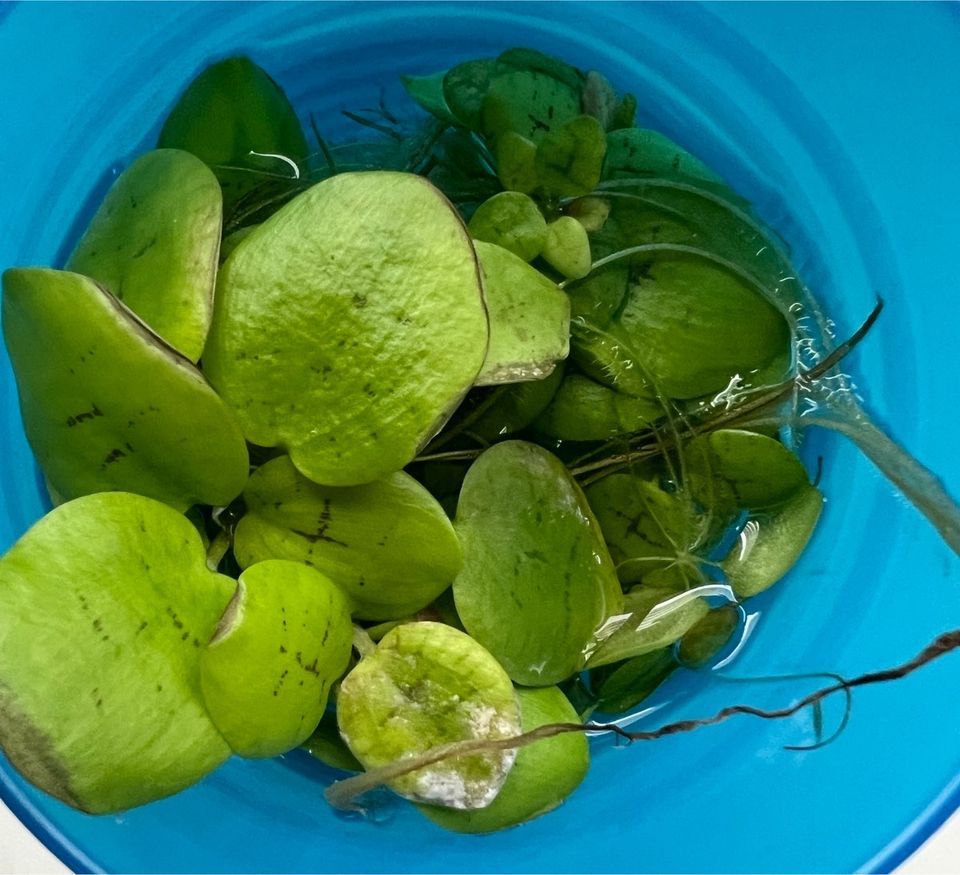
(543, 775)
(285, 638)
(566, 247)
(570, 155)
(541, 62)
(231, 111)
(633, 152)
(708, 637)
(326, 745)
(425, 685)
(232, 241)
(689, 322)
(516, 162)
(537, 581)
(583, 410)
(645, 527)
(622, 687)
(428, 92)
(529, 319)
(105, 605)
(115, 408)
(742, 469)
(769, 546)
(516, 406)
(624, 114)
(465, 87)
(387, 544)
(591, 212)
(154, 244)
(651, 619)
(350, 325)
(513, 221)
(528, 103)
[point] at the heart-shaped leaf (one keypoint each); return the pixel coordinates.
(529, 103)
(387, 544)
(543, 775)
(235, 118)
(425, 685)
(529, 319)
(349, 325)
(105, 607)
(115, 408)
(283, 641)
(537, 581)
(570, 156)
(154, 244)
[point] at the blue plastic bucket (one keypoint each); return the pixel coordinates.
(840, 122)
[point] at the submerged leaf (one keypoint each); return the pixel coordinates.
(387, 544)
(154, 244)
(543, 775)
(770, 545)
(428, 92)
(583, 410)
(115, 408)
(105, 605)
(709, 636)
(516, 406)
(622, 687)
(425, 685)
(537, 581)
(349, 325)
(570, 156)
(633, 152)
(529, 319)
(464, 88)
(326, 745)
(235, 118)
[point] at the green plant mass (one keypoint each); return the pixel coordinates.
(421, 451)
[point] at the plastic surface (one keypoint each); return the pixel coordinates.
(839, 121)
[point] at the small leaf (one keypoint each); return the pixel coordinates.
(591, 212)
(154, 243)
(769, 546)
(622, 687)
(266, 678)
(651, 619)
(387, 544)
(517, 405)
(516, 162)
(231, 116)
(513, 221)
(105, 605)
(427, 91)
(428, 684)
(326, 745)
(543, 775)
(624, 114)
(709, 636)
(115, 408)
(529, 319)
(598, 99)
(324, 341)
(537, 581)
(570, 155)
(583, 410)
(566, 247)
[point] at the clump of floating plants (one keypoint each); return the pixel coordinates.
(419, 452)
